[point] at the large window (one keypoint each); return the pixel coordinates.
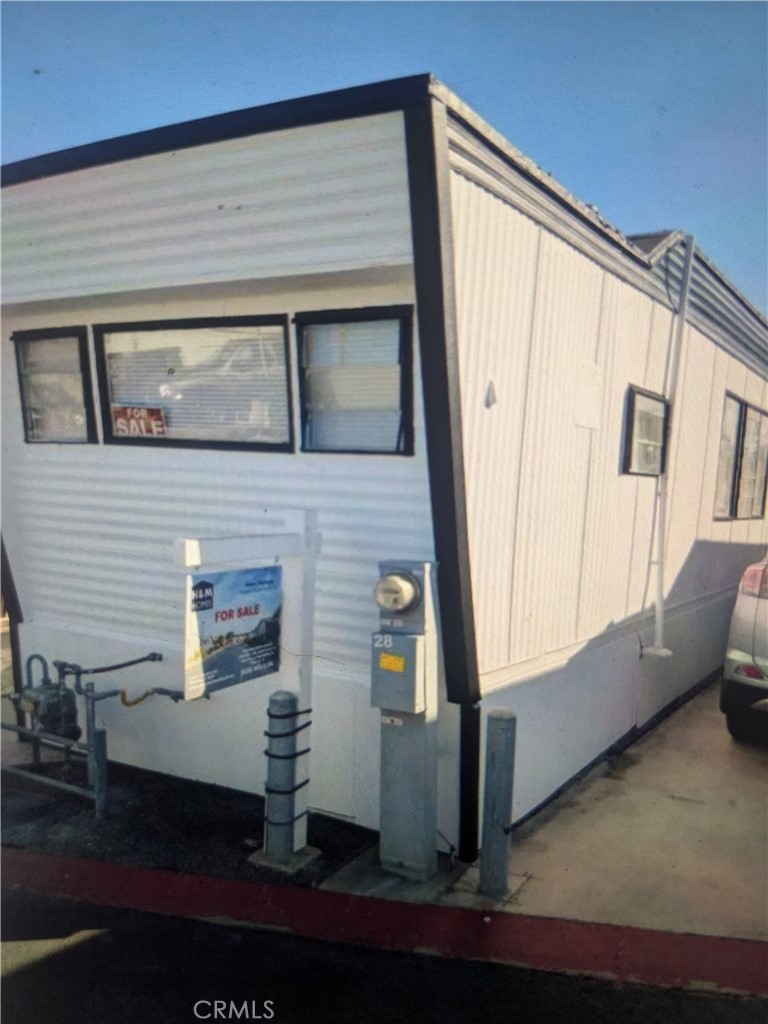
(743, 461)
(356, 387)
(217, 383)
(645, 436)
(55, 385)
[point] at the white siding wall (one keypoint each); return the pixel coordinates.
(319, 198)
(560, 541)
(90, 531)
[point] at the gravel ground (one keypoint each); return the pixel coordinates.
(158, 821)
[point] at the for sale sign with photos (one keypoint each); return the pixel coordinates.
(232, 628)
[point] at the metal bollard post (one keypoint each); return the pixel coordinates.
(281, 776)
(90, 729)
(497, 810)
(99, 756)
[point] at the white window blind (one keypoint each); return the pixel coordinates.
(52, 393)
(214, 383)
(352, 386)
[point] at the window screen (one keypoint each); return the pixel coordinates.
(221, 382)
(726, 465)
(646, 433)
(742, 463)
(753, 465)
(55, 385)
(355, 382)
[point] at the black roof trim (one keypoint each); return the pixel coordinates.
(358, 101)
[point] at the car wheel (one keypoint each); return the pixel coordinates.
(748, 727)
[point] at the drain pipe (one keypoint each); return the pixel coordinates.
(673, 367)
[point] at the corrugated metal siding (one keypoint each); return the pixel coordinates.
(713, 308)
(90, 532)
(562, 543)
(325, 197)
(94, 533)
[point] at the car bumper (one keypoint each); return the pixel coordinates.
(737, 695)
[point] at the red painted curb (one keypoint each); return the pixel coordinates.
(551, 944)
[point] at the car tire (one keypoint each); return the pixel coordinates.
(746, 727)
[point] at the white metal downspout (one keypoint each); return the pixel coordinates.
(659, 650)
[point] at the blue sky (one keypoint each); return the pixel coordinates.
(656, 113)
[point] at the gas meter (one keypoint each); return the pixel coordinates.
(51, 706)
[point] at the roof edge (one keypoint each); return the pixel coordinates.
(731, 287)
(676, 237)
(339, 104)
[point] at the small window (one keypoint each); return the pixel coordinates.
(55, 385)
(645, 440)
(196, 383)
(743, 462)
(356, 381)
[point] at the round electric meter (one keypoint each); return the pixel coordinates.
(397, 592)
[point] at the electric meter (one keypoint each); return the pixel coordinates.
(397, 592)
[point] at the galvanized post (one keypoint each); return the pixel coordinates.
(281, 776)
(99, 753)
(35, 752)
(497, 810)
(90, 729)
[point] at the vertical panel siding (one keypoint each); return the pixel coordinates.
(708, 527)
(687, 465)
(332, 196)
(613, 497)
(496, 258)
(561, 541)
(640, 584)
(556, 453)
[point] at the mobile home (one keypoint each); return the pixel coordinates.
(358, 328)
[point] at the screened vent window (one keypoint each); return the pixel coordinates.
(743, 462)
(55, 385)
(356, 381)
(646, 433)
(214, 383)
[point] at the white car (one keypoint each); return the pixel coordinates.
(744, 688)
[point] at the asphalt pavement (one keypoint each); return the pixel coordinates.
(77, 963)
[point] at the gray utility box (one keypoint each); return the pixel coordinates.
(398, 672)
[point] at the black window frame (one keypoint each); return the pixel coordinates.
(401, 313)
(629, 431)
(80, 334)
(738, 459)
(191, 323)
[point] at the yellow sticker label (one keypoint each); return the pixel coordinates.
(392, 662)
